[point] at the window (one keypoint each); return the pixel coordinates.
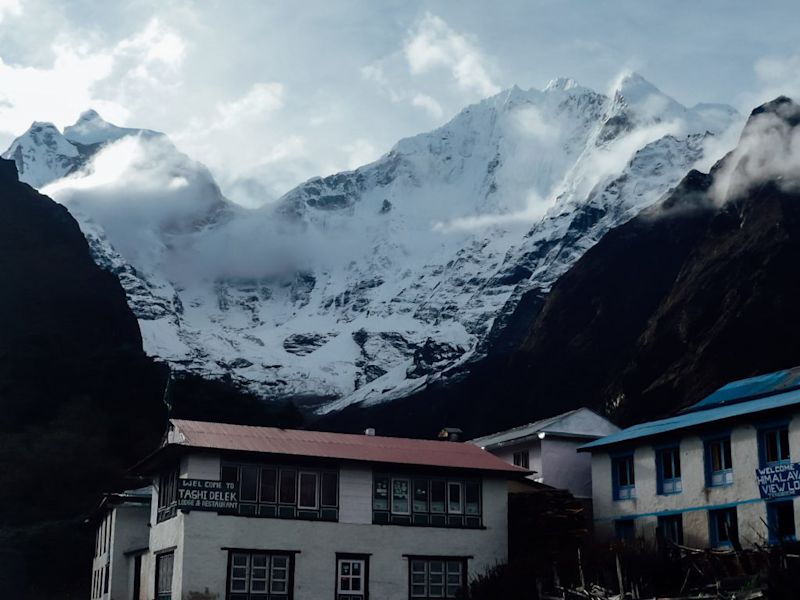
(352, 577)
(433, 501)
(780, 521)
(455, 497)
(167, 495)
(164, 564)
(284, 491)
(522, 459)
(436, 577)
(309, 492)
(670, 528)
(624, 483)
(259, 576)
(719, 466)
(625, 530)
(400, 504)
(723, 527)
(668, 468)
(774, 446)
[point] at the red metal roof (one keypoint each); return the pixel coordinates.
(343, 446)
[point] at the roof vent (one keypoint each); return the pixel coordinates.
(450, 434)
(369, 431)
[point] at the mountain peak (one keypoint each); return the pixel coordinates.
(783, 107)
(89, 116)
(561, 84)
(91, 128)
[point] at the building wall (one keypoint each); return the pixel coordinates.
(130, 534)
(200, 571)
(695, 499)
(565, 468)
(534, 449)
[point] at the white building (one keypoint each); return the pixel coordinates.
(120, 542)
(724, 469)
(257, 513)
(549, 448)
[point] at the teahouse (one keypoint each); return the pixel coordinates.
(723, 471)
(257, 513)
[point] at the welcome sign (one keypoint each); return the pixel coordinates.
(206, 494)
(779, 481)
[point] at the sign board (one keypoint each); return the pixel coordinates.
(206, 494)
(779, 481)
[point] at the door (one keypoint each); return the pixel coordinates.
(137, 576)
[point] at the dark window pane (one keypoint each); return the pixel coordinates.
(288, 491)
(269, 485)
(400, 496)
(329, 489)
(308, 490)
(438, 496)
(381, 499)
(783, 437)
(249, 484)
(726, 445)
(420, 495)
(676, 463)
(472, 494)
(230, 473)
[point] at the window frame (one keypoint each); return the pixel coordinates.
(665, 521)
(724, 476)
(159, 594)
(267, 593)
(779, 430)
(167, 494)
(522, 458)
(434, 510)
(666, 486)
(274, 502)
(620, 491)
(713, 525)
(772, 521)
(316, 476)
(345, 594)
(626, 523)
(446, 561)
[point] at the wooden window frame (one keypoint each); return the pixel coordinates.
(267, 594)
(349, 556)
(446, 561)
(158, 558)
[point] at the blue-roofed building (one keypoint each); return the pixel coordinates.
(725, 469)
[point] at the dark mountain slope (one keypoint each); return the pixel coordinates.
(79, 400)
(692, 293)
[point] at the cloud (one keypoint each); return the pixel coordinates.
(130, 69)
(10, 7)
(535, 208)
(768, 151)
(433, 45)
(260, 99)
(429, 104)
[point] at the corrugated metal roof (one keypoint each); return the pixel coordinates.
(697, 418)
(365, 448)
(549, 425)
(751, 388)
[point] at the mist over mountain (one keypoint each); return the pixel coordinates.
(366, 286)
(693, 292)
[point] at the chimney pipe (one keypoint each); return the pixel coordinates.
(450, 434)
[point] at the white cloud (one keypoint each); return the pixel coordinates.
(360, 152)
(10, 7)
(768, 151)
(260, 99)
(131, 69)
(429, 104)
(433, 44)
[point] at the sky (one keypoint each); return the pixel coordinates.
(271, 93)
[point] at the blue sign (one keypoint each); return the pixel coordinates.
(779, 481)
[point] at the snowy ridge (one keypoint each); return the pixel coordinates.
(363, 286)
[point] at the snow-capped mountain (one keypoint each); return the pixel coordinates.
(362, 286)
